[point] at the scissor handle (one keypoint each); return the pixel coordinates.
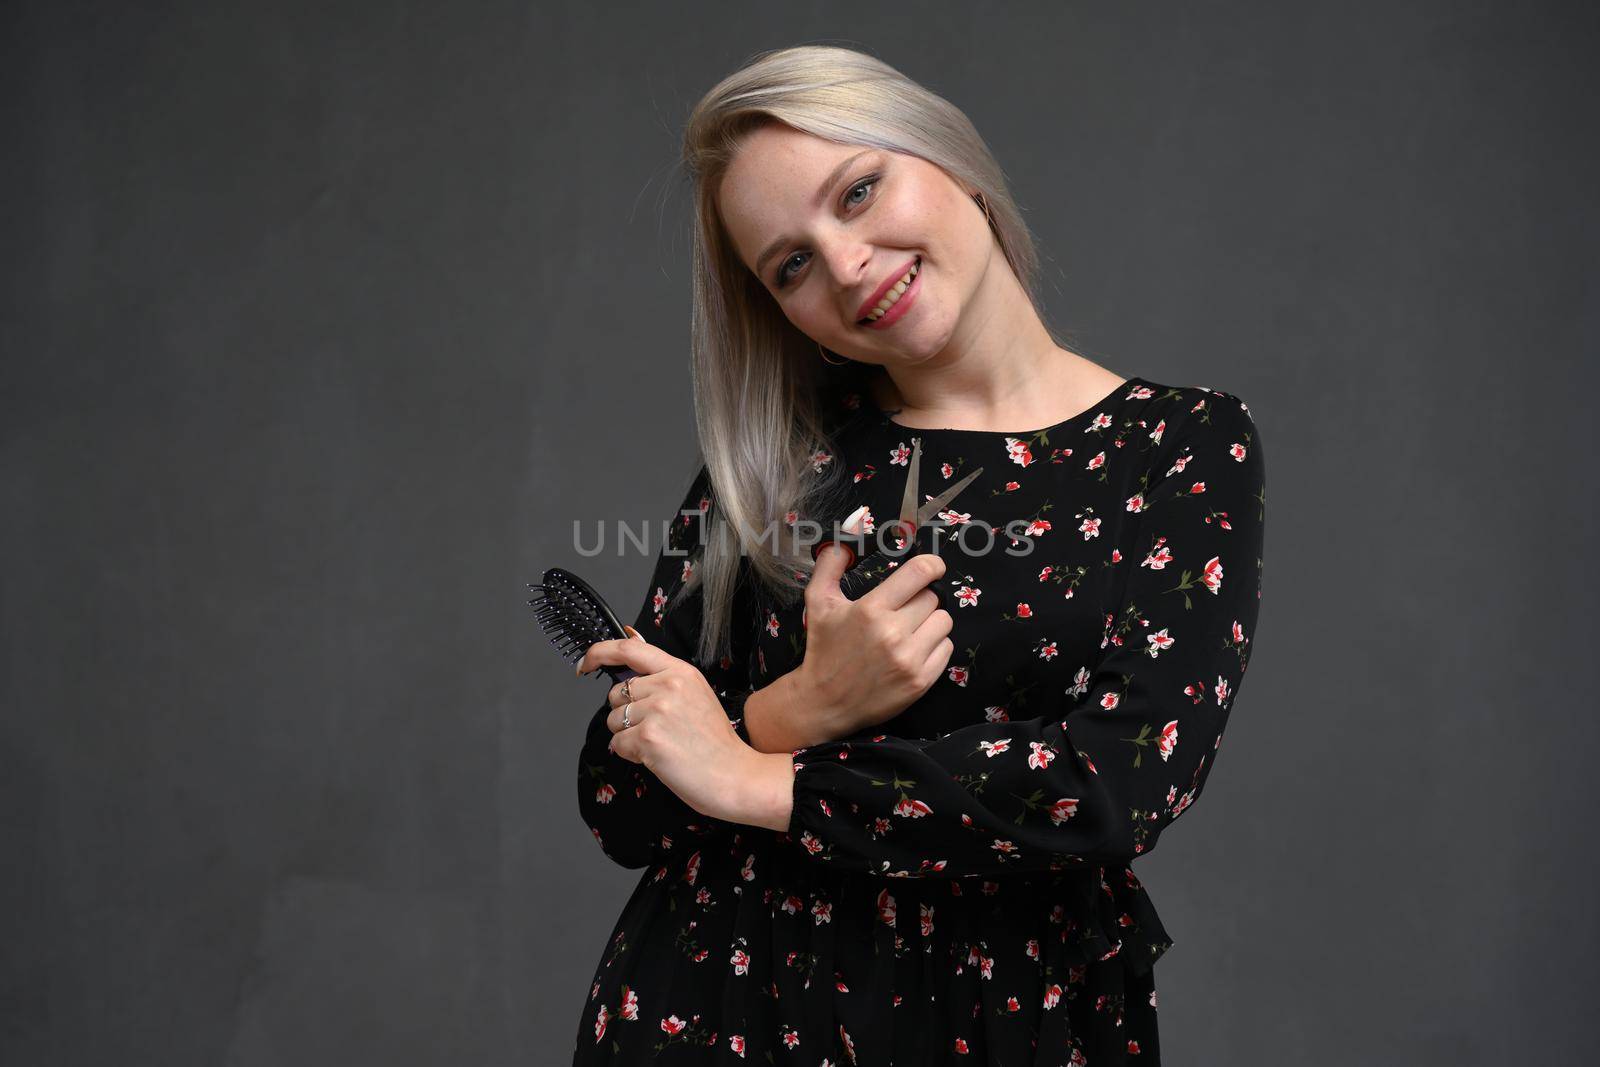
(816, 550)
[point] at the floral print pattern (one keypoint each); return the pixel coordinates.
(955, 885)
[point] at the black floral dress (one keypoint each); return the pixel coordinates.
(955, 885)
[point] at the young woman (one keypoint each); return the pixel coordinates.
(897, 827)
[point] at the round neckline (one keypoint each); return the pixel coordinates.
(1111, 397)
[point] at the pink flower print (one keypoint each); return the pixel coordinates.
(1222, 520)
(703, 897)
(1155, 434)
(1045, 574)
(1133, 1047)
(946, 470)
(1159, 642)
(792, 904)
(1238, 633)
(809, 841)
(959, 675)
(1101, 421)
(1116, 555)
(1018, 450)
(961, 1045)
(605, 794)
(1090, 528)
(1004, 847)
(630, 1004)
(741, 961)
(1041, 755)
(967, 597)
(1078, 1059)
(900, 456)
(1024, 611)
(748, 871)
(1037, 527)
(1179, 463)
(1080, 682)
(849, 1045)
(601, 1018)
(1031, 948)
(994, 748)
(886, 908)
(995, 713)
(1211, 577)
(658, 601)
(672, 1025)
(827, 809)
(1110, 701)
(1168, 740)
(1221, 690)
(954, 517)
(1197, 488)
(1183, 802)
(1159, 557)
(912, 809)
(839, 983)
(691, 870)
(1063, 809)
(772, 623)
(791, 1037)
(736, 1043)
(1236, 450)
(1048, 652)
(1097, 462)
(700, 957)
(1052, 995)
(1136, 502)
(925, 918)
(1012, 487)
(820, 459)
(821, 912)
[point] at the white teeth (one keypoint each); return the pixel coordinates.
(893, 294)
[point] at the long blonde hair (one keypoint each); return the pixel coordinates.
(761, 390)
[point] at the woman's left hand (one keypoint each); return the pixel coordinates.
(683, 735)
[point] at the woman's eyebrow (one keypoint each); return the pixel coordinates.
(822, 191)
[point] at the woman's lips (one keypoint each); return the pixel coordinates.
(898, 309)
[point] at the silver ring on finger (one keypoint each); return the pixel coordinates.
(626, 722)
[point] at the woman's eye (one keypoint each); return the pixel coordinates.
(864, 183)
(783, 270)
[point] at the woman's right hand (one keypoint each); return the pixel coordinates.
(867, 660)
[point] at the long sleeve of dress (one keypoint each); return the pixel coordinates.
(636, 819)
(1127, 748)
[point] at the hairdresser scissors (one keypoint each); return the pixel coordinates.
(912, 517)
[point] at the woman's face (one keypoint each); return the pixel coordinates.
(826, 227)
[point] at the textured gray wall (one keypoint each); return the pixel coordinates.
(312, 351)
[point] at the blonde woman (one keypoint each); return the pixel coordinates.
(897, 827)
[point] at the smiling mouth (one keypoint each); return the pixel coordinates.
(895, 292)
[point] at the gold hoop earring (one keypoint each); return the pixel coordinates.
(824, 353)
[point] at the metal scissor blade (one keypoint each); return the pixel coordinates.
(938, 503)
(909, 501)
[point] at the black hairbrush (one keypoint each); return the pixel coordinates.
(574, 617)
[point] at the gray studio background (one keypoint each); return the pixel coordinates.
(314, 345)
